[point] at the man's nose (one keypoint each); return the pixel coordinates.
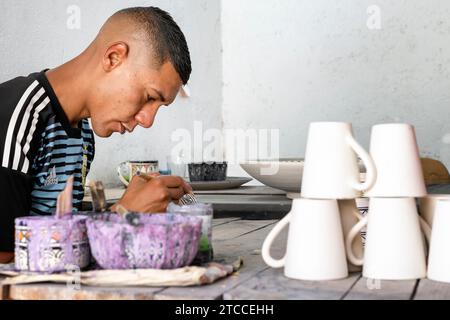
(145, 118)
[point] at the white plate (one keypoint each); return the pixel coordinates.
(289, 175)
(229, 183)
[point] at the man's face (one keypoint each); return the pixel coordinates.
(131, 95)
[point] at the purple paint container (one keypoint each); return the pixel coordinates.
(50, 244)
(159, 241)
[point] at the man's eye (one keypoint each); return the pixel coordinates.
(150, 99)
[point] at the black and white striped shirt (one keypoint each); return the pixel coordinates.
(39, 150)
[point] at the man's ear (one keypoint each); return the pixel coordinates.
(115, 55)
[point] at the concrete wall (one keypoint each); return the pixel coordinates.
(287, 63)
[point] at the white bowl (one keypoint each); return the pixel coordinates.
(289, 175)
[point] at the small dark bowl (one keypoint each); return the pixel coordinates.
(207, 171)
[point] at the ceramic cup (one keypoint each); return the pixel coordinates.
(331, 169)
(439, 256)
(427, 206)
(134, 167)
(315, 247)
(51, 244)
(394, 150)
(394, 248)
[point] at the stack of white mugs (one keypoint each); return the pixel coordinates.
(324, 238)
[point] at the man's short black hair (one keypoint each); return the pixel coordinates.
(167, 39)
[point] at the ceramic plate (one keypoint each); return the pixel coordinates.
(231, 182)
(288, 177)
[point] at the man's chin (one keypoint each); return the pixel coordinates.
(102, 133)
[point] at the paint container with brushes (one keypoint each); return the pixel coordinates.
(52, 243)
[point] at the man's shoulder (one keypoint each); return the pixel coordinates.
(12, 91)
(23, 100)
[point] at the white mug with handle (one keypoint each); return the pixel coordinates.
(315, 247)
(439, 257)
(394, 150)
(394, 248)
(331, 169)
(136, 167)
(427, 206)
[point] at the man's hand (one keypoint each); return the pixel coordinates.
(154, 195)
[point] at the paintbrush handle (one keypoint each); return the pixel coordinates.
(145, 176)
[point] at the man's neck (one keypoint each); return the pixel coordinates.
(70, 85)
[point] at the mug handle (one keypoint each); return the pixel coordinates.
(265, 252)
(119, 173)
(356, 212)
(356, 230)
(371, 171)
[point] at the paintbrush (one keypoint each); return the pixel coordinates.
(98, 196)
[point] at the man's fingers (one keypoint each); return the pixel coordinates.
(154, 174)
(171, 181)
(176, 193)
(175, 182)
(187, 187)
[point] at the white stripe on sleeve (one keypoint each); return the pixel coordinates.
(13, 122)
(26, 147)
(18, 154)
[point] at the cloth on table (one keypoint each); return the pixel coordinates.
(186, 276)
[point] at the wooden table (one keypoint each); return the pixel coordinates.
(233, 237)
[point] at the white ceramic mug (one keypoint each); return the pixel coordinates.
(427, 206)
(331, 169)
(315, 247)
(394, 150)
(394, 248)
(439, 256)
(135, 167)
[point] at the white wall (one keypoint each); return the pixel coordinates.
(284, 64)
(287, 63)
(34, 36)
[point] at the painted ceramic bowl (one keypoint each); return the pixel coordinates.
(50, 244)
(158, 241)
(207, 171)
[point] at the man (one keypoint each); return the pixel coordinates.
(137, 63)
